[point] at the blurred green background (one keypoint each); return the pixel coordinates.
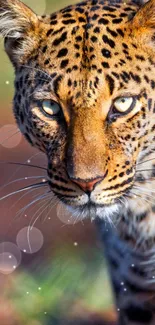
(67, 278)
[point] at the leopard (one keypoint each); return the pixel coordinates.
(85, 97)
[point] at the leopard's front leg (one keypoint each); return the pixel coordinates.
(133, 278)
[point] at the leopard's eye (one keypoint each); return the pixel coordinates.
(50, 107)
(123, 104)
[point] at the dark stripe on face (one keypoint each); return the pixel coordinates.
(127, 181)
(60, 188)
(111, 83)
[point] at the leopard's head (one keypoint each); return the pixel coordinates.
(85, 96)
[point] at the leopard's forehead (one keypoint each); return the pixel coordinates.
(81, 44)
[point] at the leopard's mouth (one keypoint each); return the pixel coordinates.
(92, 210)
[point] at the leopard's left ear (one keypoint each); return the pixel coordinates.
(18, 24)
(143, 23)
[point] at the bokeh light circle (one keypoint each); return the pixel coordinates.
(10, 136)
(30, 240)
(10, 257)
(8, 263)
(38, 7)
(66, 216)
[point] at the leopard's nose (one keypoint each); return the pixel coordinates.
(89, 185)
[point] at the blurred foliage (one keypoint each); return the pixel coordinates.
(69, 279)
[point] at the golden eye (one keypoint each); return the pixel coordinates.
(50, 107)
(123, 104)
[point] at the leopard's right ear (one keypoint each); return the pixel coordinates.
(18, 26)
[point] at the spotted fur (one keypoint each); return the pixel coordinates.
(84, 57)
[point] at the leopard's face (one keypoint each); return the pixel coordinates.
(84, 94)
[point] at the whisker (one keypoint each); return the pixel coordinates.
(1, 143)
(17, 170)
(26, 188)
(42, 208)
(143, 170)
(142, 162)
(51, 207)
(22, 164)
(144, 190)
(27, 193)
(141, 197)
(20, 179)
(21, 211)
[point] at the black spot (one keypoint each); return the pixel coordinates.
(62, 52)
(44, 49)
(78, 38)
(135, 77)
(95, 16)
(129, 171)
(112, 32)
(146, 78)
(111, 83)
(139, 57)
(96, 30)
(125, 76)
(64, 63)
(149, 103)
(128, 9)
(49, 32)
(69, 82)
(123, 14)
(81, 19)
(53, 16)
(80, 10)
(120, 32)
(109, 8)
(53, 75)
(58, 31)
(47, 61)
(105, 65)
(61, 39)
(103, 21)
(152, 84)
(108, 41)
(115, 74)
(53, 22)
(69, 21)
(106, 53)
(117, 20)
(125, 45)
(74, 67)
(94, 39)
(77, 46)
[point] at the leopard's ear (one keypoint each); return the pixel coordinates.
(18, 24)
(143, 24)
(145, 16)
